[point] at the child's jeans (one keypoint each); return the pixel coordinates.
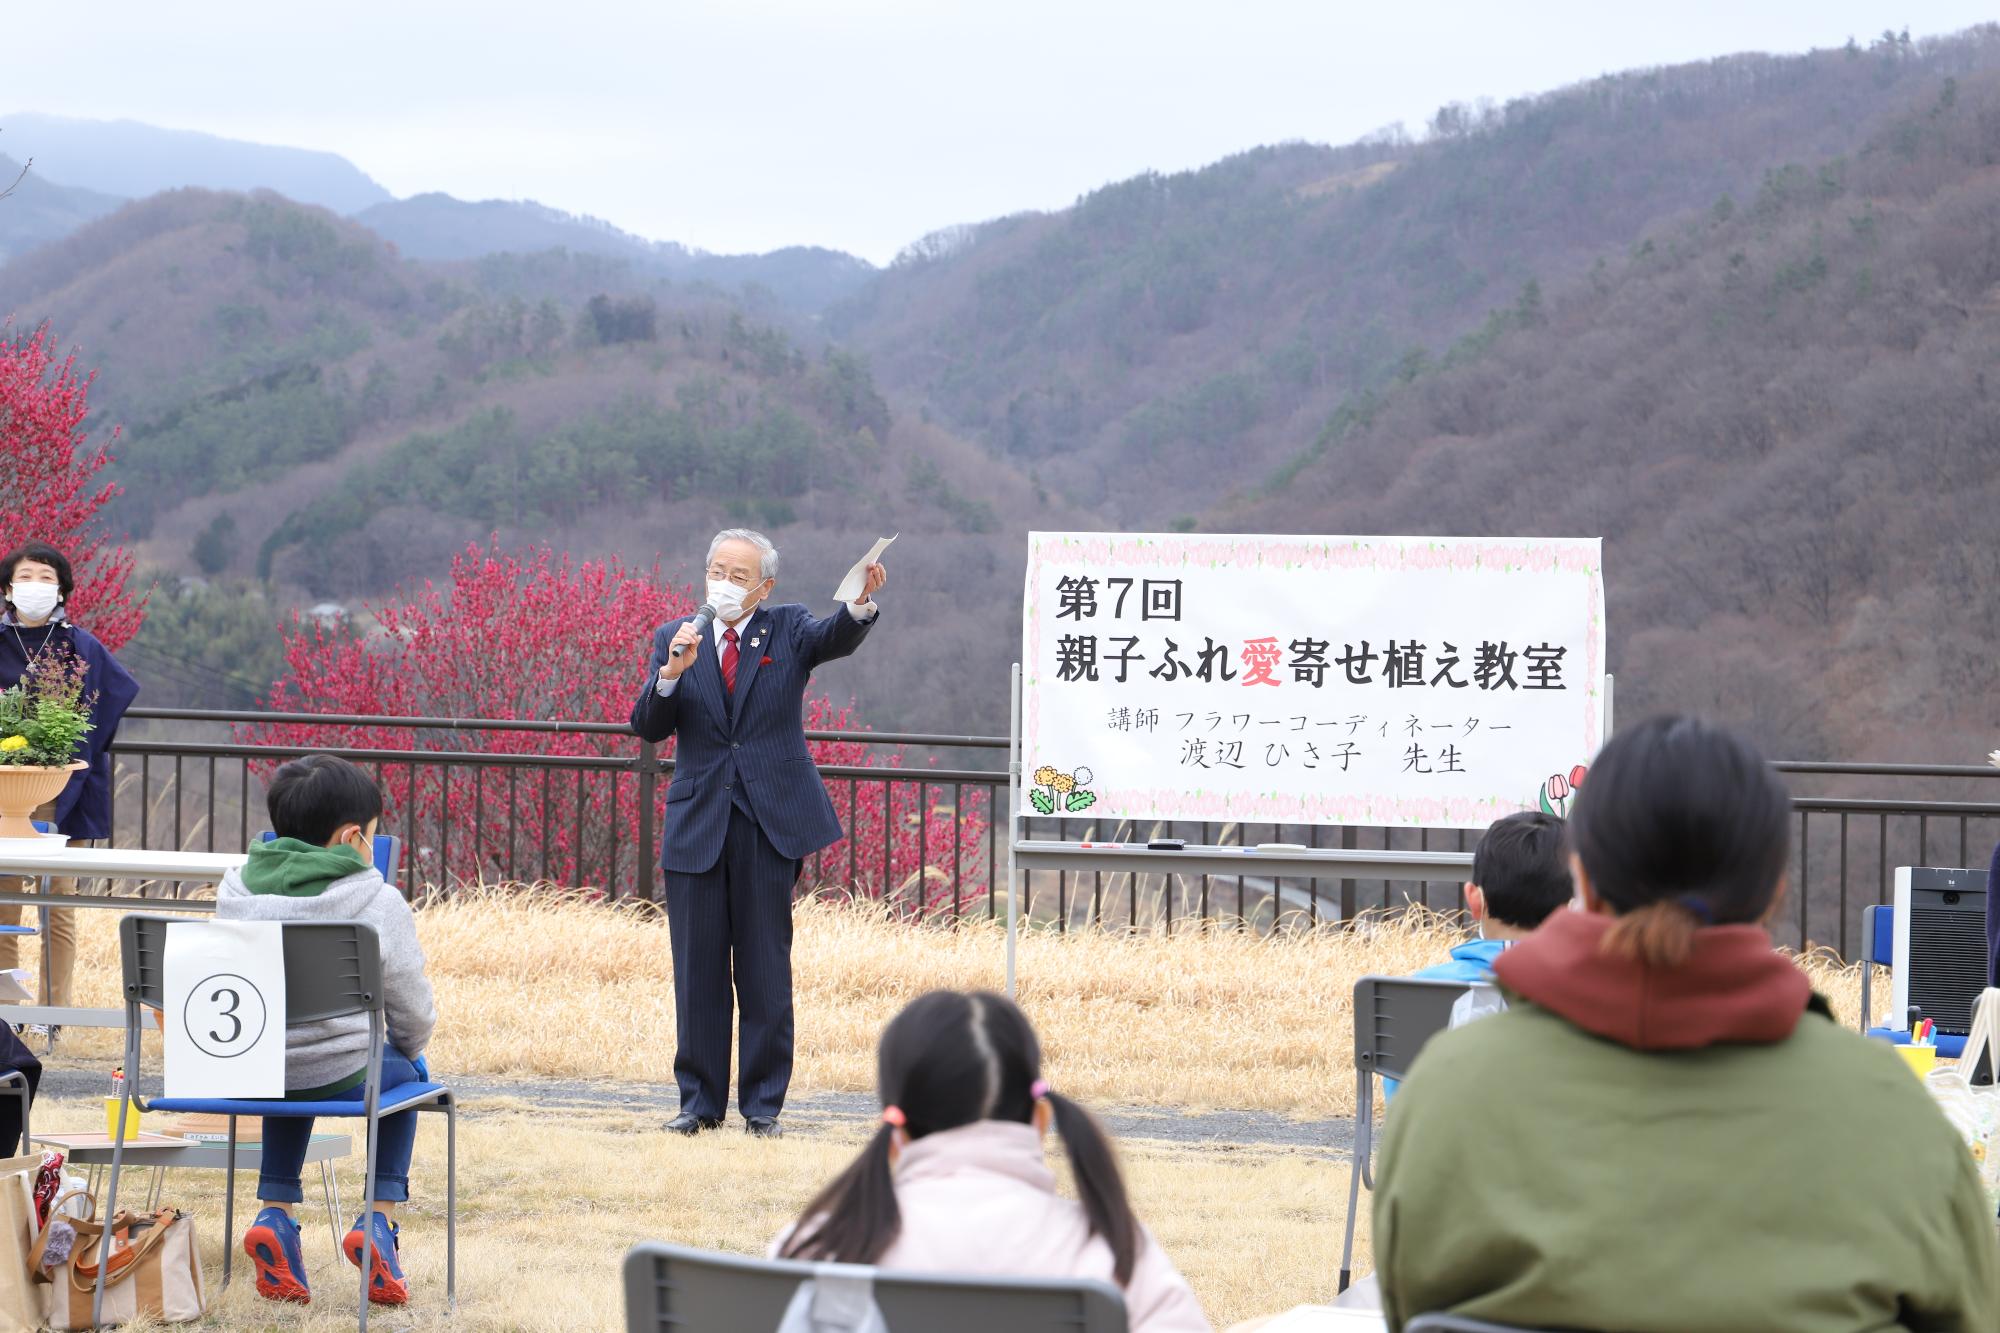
(285, 1141)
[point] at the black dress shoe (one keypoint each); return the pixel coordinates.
(690, 1124)
(763, 1127)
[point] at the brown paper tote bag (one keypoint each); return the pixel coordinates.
(155, 1270)
(20, 1302)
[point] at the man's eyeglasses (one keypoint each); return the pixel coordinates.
(717, 574)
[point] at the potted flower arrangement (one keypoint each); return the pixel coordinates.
(42, 721)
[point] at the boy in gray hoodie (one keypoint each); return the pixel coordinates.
(320, 867)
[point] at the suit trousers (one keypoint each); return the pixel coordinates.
(733, 922)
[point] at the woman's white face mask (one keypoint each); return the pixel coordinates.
(35, 601)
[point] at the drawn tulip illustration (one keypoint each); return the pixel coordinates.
(1557, 792)
(1065, 791)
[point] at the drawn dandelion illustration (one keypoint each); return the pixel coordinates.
(1066, 792)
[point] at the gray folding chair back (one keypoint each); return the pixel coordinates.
(678, 1289)
(1393, 1018)
(332, 968)
(1448, 1323)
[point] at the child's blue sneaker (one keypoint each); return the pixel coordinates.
(385, 1281)
(272, 1242)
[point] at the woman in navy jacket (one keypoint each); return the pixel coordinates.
(35, 628)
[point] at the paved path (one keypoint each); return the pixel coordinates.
(806, 1113)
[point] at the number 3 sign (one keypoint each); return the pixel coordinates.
(224, 1019)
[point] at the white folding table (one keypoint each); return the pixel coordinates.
(160, 1151)
(105, 863)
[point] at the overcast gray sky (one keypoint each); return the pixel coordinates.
(862, 124)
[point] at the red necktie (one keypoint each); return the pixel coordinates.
(729, 660)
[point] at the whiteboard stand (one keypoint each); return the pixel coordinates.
(1347, 863)
(1013, 810)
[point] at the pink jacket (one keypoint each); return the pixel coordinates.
(982, 1199)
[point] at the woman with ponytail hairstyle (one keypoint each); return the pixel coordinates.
(1666, 1130)
(954, 1179)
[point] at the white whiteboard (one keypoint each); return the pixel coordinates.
(1418, 681)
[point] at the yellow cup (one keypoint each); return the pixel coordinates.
(1920, 1059)
(132, 1118)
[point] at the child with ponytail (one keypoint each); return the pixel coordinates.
(1667, 1130)
(954, 1179)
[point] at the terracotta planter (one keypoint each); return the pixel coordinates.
(23, 790)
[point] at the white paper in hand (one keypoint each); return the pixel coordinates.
(224, 1019)
(851, 587)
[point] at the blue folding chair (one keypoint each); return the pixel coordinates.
(1878, 944)
(388, 852)
(332, 969)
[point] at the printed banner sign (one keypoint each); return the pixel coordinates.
(223, 1023)
(1431, 681)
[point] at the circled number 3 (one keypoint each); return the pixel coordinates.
(236, 1024)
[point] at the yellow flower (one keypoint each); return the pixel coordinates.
(1063, 782)
(1045, 776)
(14, 743)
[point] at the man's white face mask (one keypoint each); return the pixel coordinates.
(727, 599)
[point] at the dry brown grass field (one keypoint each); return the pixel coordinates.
(547, 1210)
(538, 986)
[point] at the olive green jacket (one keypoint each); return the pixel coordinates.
(1532, 1173)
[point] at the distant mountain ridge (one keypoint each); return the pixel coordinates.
(1218, 319)
(437, 226)
(300, 400)
(84, 169)
(39, 211)
(1778, 413)
(132, 160)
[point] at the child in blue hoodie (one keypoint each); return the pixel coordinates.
(1520, 875)
(321, 867)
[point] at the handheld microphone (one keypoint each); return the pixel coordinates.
(702, 620)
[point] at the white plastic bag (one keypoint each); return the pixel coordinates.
(1975, 1111)
(840, 1298)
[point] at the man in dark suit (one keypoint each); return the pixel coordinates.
(744, 810)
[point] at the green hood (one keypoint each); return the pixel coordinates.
(289, 868)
